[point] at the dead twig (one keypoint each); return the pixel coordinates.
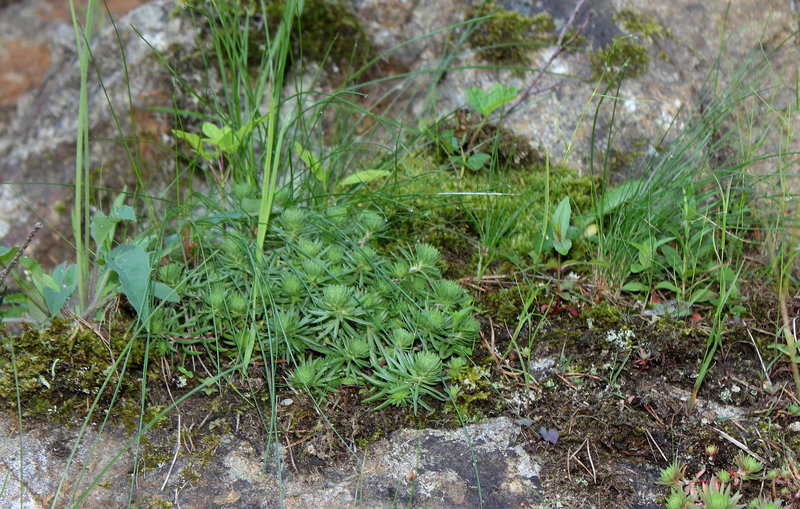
(175, 457)
(561, 47)
(574, 456)
(490, 344)
(5, 272)
(763, 366)
(653, 414)
(289, 446)
(740, 445)
(653, 442)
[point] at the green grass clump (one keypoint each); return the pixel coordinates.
(723, 489)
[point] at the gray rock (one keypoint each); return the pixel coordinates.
(38, 142)
(416, 468)
(678, 67)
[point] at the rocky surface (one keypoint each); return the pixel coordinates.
(680, 60)
(411, 468)
(37, 147)
(434, 468)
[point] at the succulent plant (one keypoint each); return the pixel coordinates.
(718, 496)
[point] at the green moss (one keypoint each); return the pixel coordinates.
(475, 388)
(603, 314)
(329, 30)
(643, 24)
(58, 368)
(607, 62)
(503, 305)
(612, 57)
(507, 36)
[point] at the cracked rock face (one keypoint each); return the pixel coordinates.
(463, 467)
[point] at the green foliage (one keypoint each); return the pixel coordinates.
(218, 141)
(460, 144)
(335, 308)
(125, 269)
(487, 102)
(717, 492)
(558, 234)
(718, 496)
(559, 227)
(673, 474)
(323, 175)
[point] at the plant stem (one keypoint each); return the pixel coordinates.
(791, 348)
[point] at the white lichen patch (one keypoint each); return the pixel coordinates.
(621, 338)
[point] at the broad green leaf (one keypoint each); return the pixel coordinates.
(638, 267)
(618, 195)
(661, 242)
(498, 96)
(212, 132)
(102, 229)
(634, 286)
(56, 289)
(476, 97)
(666, 285)
(561, 218)
(673, 258)
(190, 138)
(476, 161)
(132, 265)
(364, 177)
(228, 143)
(313, 163)
(702, 295)
(164, 292)
(562, 246)
(486, 103)
(124, 213)
(196, 142)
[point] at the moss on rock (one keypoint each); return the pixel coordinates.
(608, 61)
(507, 36)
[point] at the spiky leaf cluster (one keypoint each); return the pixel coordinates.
(326, 300)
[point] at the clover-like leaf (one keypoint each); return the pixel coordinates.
(487, 102)
(476, 161)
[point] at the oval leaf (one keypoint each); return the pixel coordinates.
(364, 177)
